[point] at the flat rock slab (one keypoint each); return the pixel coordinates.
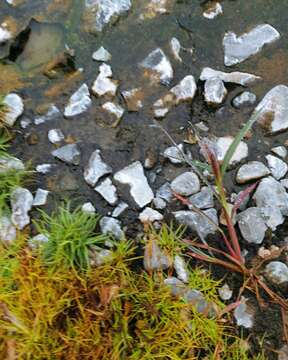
(79, 102)
(239, 48)
(253, 170)
(234, 77)
(69, 154)
(96, 168)
(133, 175)
(277, 166)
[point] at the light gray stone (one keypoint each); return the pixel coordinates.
(252, 225)
(5, 34)
(104, 85)
(185, 90)
(114, 109)
(239, 48)
(133, 175)
(272, 112)
(21, 203)
(52, 113)
(277, 272)
(14, 108)
(154, 258)
(176, 286)
(101, 55)
(181, 269)
(121, 207)
(100, 257)
(174, 154)
(225, 292)
(69, 154)
(213, 11)
(272, 216)
(244, 315)
(37, 241)
(253, 170)
(111, 226)
(203, 224)
(160, 65)
(96, 168)
(214, 91)
(149, 215)
(176, 48)
(8, 231)
(186, 184)
(44, 168)
(79, 102)
(280, 151)
(223, 144)
(108, 191)
(271, 193)
(247, 98)
(88, 208)
(203, 199)
(277, 166)
(40, 198)
(10, 163)
(55, 136)
(159, 203)
(165, 192)
(234, 77)
(284, 183)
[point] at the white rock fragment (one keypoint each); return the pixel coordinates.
(104, 85)
(55, 136)
(280, 151)
(213, 11)
(25, 122)
(223, 144)
(69, 154)
(203, 199)
(133, 175)
(185, 90)
(181, 269)
(111, 226)
(7, 229)
(100, 257)
(272, 217)
(114, 109)
(235, 77)
(271, 193)
(203, 224)
(96, 168)
(133, 99)
(37, 241)
(225, 292)
(103, 12)
(5, 34)
(247, 98)
(120, 208)
(79, 102)
(253, 170)
(21, 203)
(174, 154)
(149, 215)
(154, 258)
(14, 108)
(159, 203)
(52, 113)
(44, 168)
(277, 166)
(176, 48)
(40, 198)
(155, 7)
(108, 191)
(240, 48)
(88, 208)
(10, 163)
(277, 272)
(244, 315)
(186, 184)
(165, 192)
(101, 55)
(252, 226)
(158, 63)
(214, 91)
(284, 183)
(272, 111)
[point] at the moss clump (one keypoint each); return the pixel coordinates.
(57, 306)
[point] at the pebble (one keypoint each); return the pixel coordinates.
(37, 240)
(104, 85)
(79, 102)
(111, 226)
(239, 48)
(21, 203)
(149, 215)
(101, 257)
(247, 98)
(101, 55)
(133, 175)
(176, 48)
(203, 199)
(235, 77)
(186, 184)
(14, 108)
(214, 91)
(69, 154)
(114, 109)
(253, 170)
(185, 90)
(160, 65)
(223, 144)
(280, 151)
(213, 11)
(10, 163)
(225, 292)
(159, 203)
(174, 154)
(55, 136)
(270, 193)
(272, 111)
(277, 166)
(165, 192)
(121, 207)
(154, 258)
(277, 272)
(44, 168)
(199, 222)
(108, 191)
(244, 315)
(25, 122)
(88, 208)
(40, 198)
(52, 113)
(252, 225)
(181, 269)
(272, 216)
(176, 286)
(8, 231)
(96, 168)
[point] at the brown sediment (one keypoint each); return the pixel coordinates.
(274, 69)
(10, 79)
(60, 6)
(265, 120)
(62, 85)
